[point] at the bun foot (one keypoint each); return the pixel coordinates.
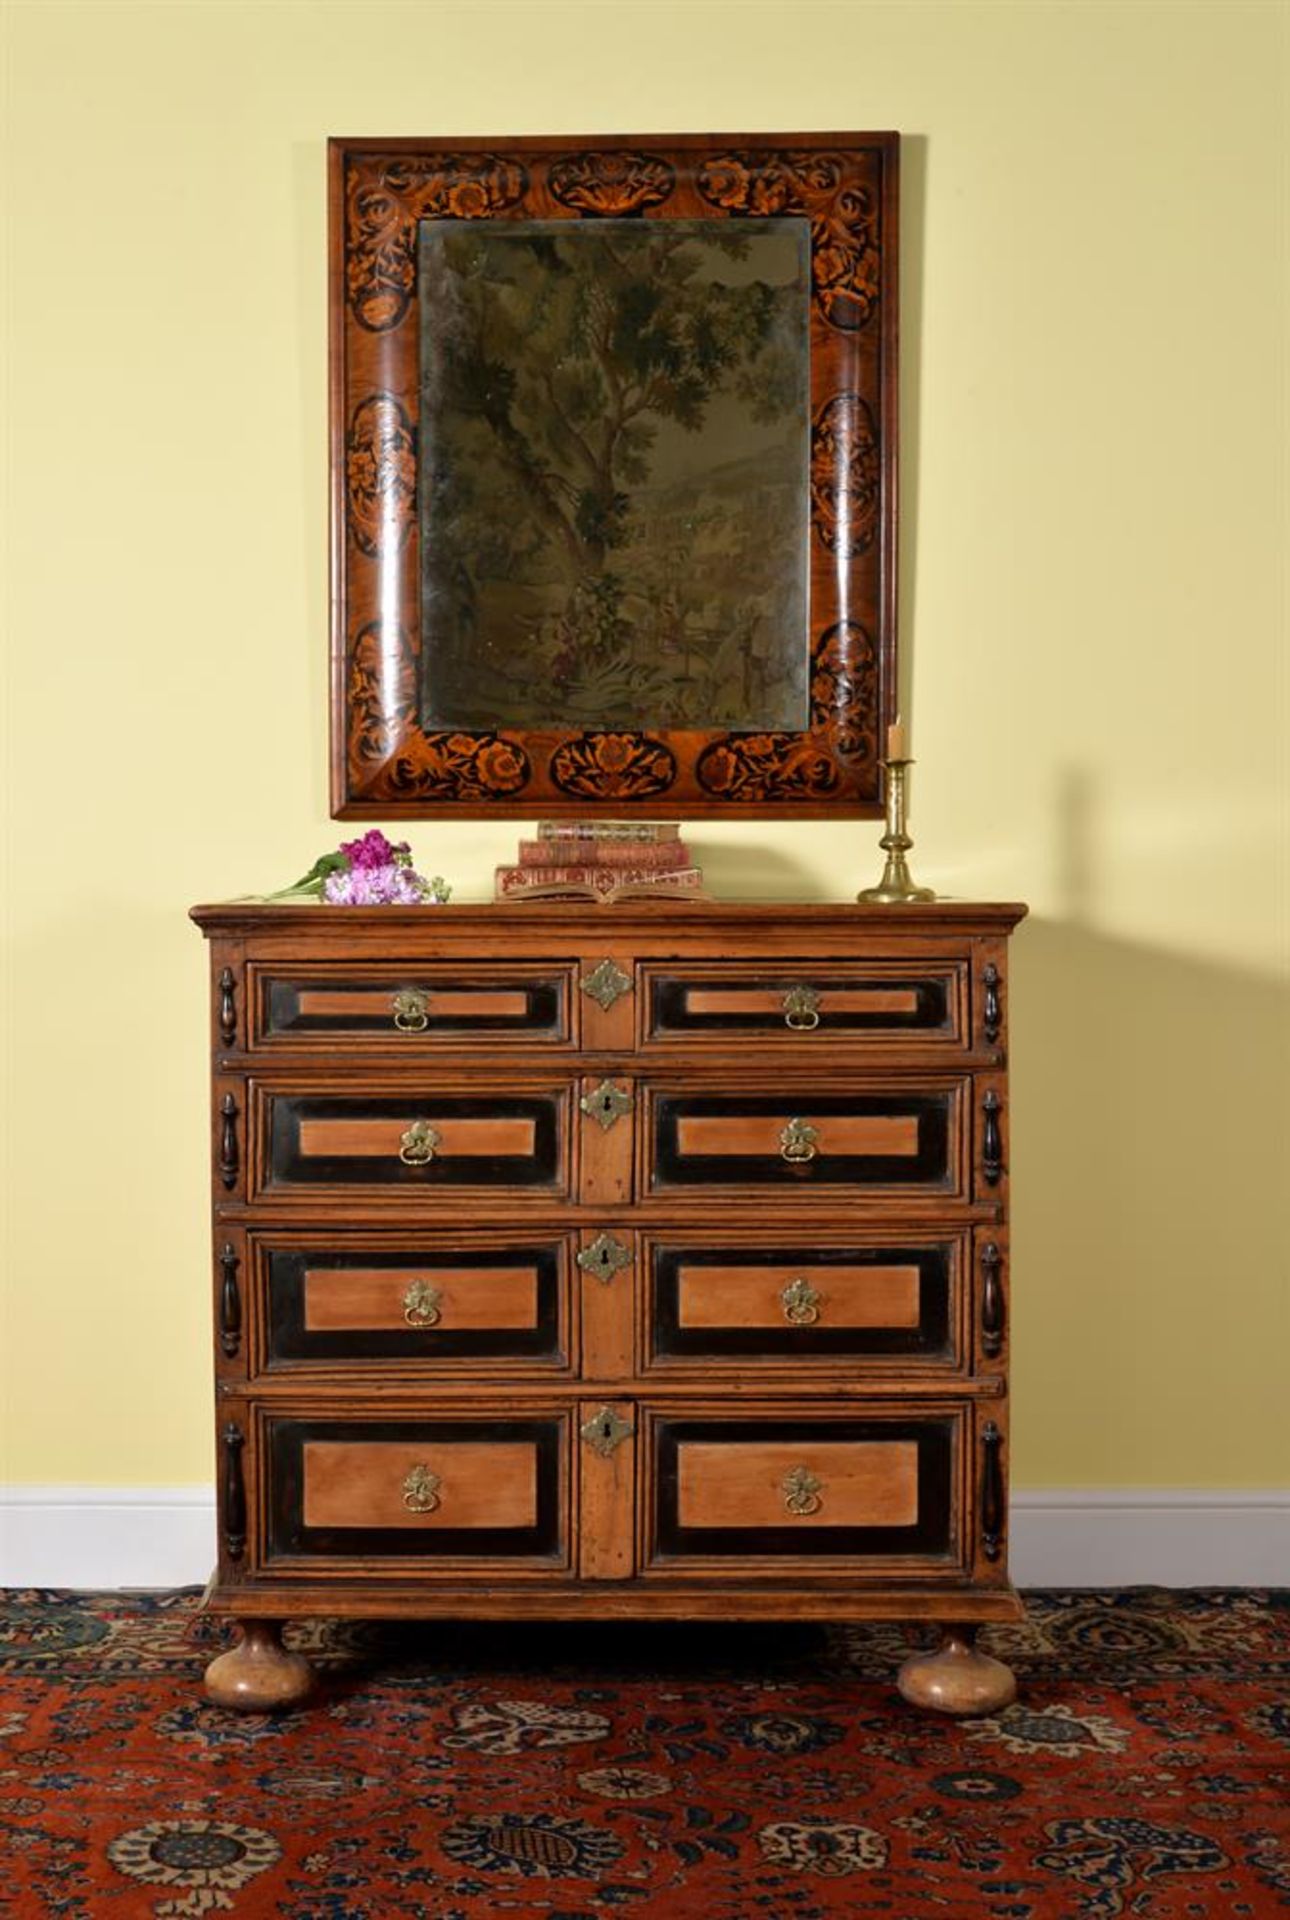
(956, 1678)
(259, 1675)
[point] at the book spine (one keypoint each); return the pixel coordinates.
(604, 853)
(642, 832)
(596, 881)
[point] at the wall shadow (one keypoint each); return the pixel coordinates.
(1150, 1147)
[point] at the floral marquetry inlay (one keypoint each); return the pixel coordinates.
(619, 766)
(384, 204)
(380, 472)
(846, 262)
(611, 183)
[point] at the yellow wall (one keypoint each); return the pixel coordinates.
(1094, 422)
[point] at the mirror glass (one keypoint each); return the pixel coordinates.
(613, 480)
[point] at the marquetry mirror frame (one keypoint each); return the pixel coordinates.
(383, 763)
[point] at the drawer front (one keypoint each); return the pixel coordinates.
(429, 1490)
(801, 1138)
(414, 1142)
(807, 1004)
(792, 1302)
(410, 1003)
(783, 1487)
(430, 1304)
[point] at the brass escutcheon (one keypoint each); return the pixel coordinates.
(417, 1145)
(409, 1008)
(606, 1430)
(797, 1141)
(421, 1490)
(422, 1304)
(802, 1492)
(604, 1257)
(801, 1303)
(801, 1009)
(607, 1104)
(605, 983)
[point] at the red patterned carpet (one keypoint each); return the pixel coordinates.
(572, 1774)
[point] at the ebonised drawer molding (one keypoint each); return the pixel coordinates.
(442, 1135)
(799, 1303)
(800, 1137)
(410, 1001)
(435, 1305)
(792, 1486)
(839, 1003)
(638, 1262)
(488, 1487)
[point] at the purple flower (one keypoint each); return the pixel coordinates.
(374, 850)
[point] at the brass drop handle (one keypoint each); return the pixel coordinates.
(421, 1490)
(801, 1303)
(801, 1009)
(417, 1144)
(422, 1305)
(409, 1008)
(802, 1491)
(797, 1141)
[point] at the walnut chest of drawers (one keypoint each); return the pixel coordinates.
(625, 1262)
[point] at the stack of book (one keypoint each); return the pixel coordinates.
(602, 860)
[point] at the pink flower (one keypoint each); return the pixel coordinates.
(387, 886)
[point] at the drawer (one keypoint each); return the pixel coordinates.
(469, 1488)
(410, 1003)
(774, 1487)
(807, 1301)
(413, 1141)
(805, 1004)
(433, 1303)
(800, 1138)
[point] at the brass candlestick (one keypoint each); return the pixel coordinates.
(896, 888)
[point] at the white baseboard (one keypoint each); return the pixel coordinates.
(1083, 1537)
(1150, 1536)
(106, 1536)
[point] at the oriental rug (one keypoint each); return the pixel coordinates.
(577, 1773)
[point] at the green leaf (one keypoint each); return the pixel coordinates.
(312, 882)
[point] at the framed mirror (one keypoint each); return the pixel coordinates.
(613, 436)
